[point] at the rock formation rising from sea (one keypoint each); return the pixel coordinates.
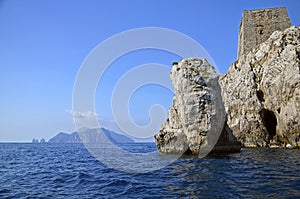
(197, 119)
(259, 94)
(261, 90)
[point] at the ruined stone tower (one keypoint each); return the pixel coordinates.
(258, 25)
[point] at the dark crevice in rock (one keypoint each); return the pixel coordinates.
(254, 76)
(260, 95)
(278, 110)
(255, 79)
(285, 42)
(270, 122)
(188, 152)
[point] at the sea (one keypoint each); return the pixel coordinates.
(47, 170)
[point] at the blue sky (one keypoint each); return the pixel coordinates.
(43, 44)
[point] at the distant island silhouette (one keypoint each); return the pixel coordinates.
(90, 135)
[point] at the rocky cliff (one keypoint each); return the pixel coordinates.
(261, 92)
(196, 121)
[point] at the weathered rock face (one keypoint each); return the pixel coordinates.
(261, 92)
(197, 120)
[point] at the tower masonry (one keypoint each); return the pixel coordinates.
(258, 25)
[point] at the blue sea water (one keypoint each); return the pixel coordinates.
(69, 171)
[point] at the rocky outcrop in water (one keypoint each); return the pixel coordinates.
(197, 121)
(261, 92)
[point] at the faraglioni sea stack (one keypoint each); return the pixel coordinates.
(197, 120)
(256, 103)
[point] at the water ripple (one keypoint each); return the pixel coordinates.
(68, 170)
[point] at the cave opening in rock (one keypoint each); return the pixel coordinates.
(269, 121)
(188, 152)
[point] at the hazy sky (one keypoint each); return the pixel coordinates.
(43, 44)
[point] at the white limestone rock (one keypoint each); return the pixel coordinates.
(261, 92)
(197, 120)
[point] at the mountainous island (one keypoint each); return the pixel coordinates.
(256, 103)
(90, 136)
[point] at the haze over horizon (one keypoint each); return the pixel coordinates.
(44, 43)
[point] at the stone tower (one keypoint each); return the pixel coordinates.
(258, 25)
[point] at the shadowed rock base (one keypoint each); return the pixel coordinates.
(170, 143)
